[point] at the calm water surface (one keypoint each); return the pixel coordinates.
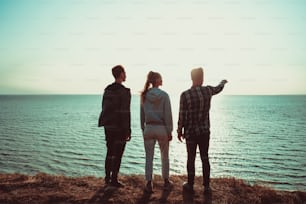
(260, 139)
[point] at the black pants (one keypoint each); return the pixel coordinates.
(115, 148)
(191, 143)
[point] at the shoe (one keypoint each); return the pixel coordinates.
(168, 185)
(207, 190)
(148, 188)
(117, 184)
(188, 187)
(107, 180)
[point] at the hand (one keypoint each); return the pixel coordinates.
(224, 81)
(180, 137)
(128, 138)
(169, 137)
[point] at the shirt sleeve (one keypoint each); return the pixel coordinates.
(168, 115)
(142, 117)
(126, 112)
(215, 89)
(182, 113)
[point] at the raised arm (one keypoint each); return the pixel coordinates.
(217, 89)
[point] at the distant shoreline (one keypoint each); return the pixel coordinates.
(44, 188)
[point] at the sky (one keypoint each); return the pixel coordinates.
(70, 46)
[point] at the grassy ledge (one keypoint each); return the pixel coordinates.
(44, 188)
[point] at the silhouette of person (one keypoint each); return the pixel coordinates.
(115, 117)
(194, 125)
(157, 125)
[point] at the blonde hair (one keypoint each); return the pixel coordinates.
(151, 80)
(197, 73)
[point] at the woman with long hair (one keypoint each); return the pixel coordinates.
(156, 125)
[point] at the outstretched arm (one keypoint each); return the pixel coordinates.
(217, 89)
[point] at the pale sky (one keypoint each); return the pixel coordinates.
(70, 46)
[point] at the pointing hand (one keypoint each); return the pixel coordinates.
(224, 81)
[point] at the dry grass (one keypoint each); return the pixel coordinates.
(43, 188)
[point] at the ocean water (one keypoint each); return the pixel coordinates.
(260, 139)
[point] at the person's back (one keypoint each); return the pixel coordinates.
(196, 105)
(115, 117)
(194, 125)
(157, 109)
(156, 125)
(115, 108)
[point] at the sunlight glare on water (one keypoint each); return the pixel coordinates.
(256, 138)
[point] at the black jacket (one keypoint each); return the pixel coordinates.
(115, 114)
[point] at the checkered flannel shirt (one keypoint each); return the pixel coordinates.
(194, 110)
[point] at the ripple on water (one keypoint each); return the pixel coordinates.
(259, 139)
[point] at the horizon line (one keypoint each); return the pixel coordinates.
(133, 94)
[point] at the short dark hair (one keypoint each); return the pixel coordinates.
(117, 70)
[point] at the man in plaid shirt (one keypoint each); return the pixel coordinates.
(194, 125)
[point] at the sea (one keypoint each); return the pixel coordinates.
(260, 139)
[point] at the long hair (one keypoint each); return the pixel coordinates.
(151, 80)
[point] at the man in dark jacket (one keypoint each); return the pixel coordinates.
(115, 117)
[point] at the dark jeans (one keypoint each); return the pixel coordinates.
(191, 143)
(115, 148)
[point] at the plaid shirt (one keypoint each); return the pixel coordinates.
(194, 110)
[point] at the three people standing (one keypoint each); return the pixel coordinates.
(157, 125)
